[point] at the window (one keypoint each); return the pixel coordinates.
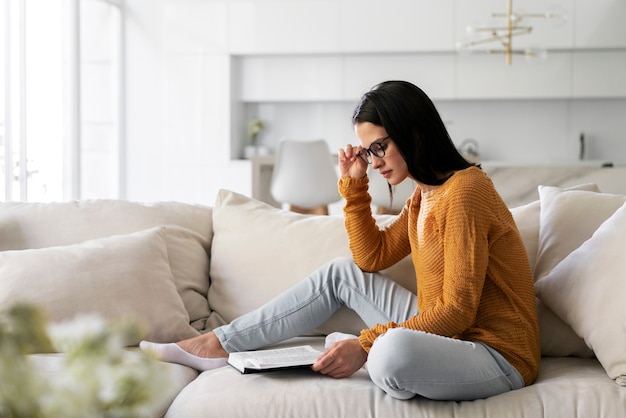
(60, 99)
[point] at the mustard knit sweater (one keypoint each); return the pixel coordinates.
(473, 277)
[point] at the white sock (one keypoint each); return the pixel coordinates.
(172, 353)
(334, 337)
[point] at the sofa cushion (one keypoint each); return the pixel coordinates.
(568, 218)
(566, 387)
(587, 291)
(258, 251)
(123, 276)
(557, 338)
(37, 225)
(527, 220)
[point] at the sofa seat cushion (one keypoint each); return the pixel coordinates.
(567, 387)
(53, 368)
(38, 225)
(119, 277)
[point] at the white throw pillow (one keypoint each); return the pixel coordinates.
(587, 291)
(557, 338)
(567, 219)
(259, 251)
(124, 276)
(31, 225)
(527, 219)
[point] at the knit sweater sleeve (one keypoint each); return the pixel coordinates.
(373, 248)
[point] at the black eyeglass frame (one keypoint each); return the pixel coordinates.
(376, 149)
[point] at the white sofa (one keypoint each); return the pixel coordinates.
(182, 269)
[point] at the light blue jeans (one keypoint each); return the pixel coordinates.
(402, 362)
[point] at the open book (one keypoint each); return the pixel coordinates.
(276, 359)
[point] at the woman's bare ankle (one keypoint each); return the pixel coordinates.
(205, 346)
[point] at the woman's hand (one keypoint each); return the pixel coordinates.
(350, 165)
(342, 359)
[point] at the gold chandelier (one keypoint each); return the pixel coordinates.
(503, 34)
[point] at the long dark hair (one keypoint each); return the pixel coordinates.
(413, 123)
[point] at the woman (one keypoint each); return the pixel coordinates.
(476, 332)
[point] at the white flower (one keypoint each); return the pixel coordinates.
(100, 378)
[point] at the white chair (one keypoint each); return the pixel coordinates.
(305, 177)
(379, 190)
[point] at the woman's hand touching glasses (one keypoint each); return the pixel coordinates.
(350, 164)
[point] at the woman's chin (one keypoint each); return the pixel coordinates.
(394, 181)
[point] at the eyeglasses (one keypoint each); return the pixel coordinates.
(377, 149)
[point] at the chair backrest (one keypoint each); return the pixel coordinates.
(379, 190)
(304, 174)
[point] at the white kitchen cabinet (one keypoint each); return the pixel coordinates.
(434, 73)
(488, 77)
(600, 24)
(444, 76)
(338, 26)
(599, 74)
(397, 25)
(283, 26)
(339, 77)
(290, 78)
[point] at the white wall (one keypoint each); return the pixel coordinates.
(177, 108)
(180, 103)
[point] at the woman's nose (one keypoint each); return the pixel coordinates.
(376, 161)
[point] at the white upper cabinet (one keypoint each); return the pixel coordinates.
(282, 78)
(375, 26)
(599, 74)
(337, 77)
(600, 24)
(333, 50)
(283, 26)
(340, 26)
(397, 25)
(488, 77)
(433, 73)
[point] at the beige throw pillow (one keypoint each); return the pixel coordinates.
(527, 219)
(557, 338)
(259, 251)
(567, 219)
(30, 225)
(587, 291)
(124, 276)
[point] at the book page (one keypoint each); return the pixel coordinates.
(267, 359)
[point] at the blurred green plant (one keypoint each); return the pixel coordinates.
(255, 126)
(99, 377)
